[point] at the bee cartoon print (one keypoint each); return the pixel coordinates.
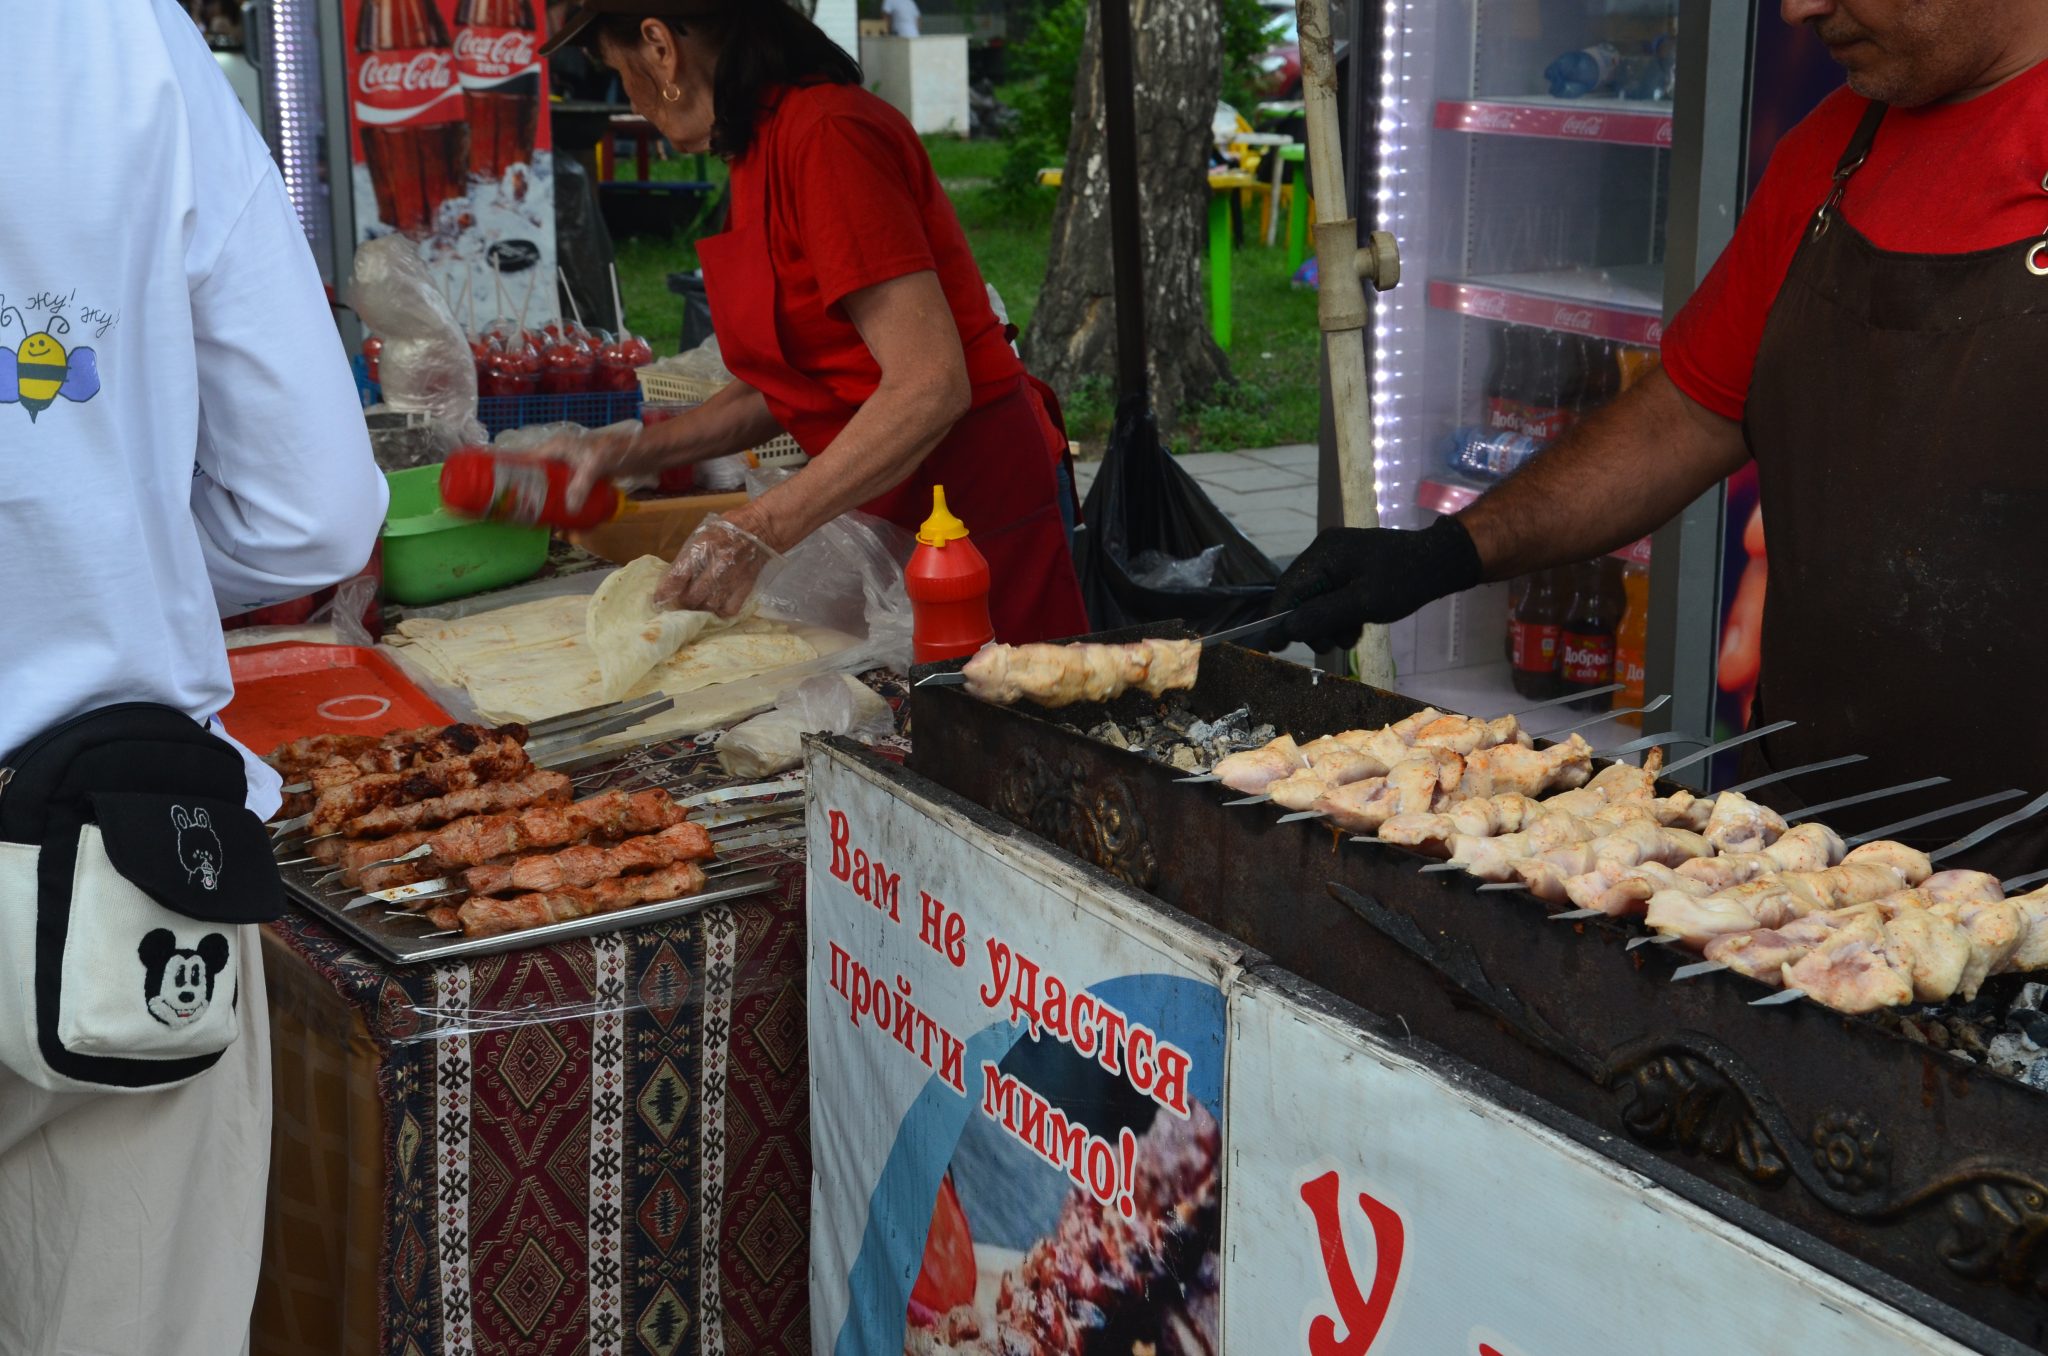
(42, 370)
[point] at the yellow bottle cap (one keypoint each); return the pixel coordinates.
(942, 526)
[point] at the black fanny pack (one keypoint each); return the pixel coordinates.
(127, 862)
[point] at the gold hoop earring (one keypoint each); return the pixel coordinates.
(671, 94)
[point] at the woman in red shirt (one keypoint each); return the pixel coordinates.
(848, 308)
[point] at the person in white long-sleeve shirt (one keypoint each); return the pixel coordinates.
(179, 441)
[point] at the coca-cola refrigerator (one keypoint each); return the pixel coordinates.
(1543, 165)
(426, 118)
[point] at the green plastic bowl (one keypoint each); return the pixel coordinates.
(430, 555)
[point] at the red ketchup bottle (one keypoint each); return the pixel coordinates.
(511, 488)
(948, 585)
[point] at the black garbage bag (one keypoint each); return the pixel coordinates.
(583, 246)
(1143, 502)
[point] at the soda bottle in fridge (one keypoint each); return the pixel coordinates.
(1600, 375)
(1506, 377)
(1534, 628)
(497, 61)
(1556, 380)
(1586, 638)
(409, 107)
(1632, 639)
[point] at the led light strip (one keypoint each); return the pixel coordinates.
(1388, 328)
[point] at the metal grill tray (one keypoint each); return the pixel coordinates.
(399, 942)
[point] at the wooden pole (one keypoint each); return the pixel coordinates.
(1342, 269)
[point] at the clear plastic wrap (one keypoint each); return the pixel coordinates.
(846, 577)
(427, 366)
(838, 704)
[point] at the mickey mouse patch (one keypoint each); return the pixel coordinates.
(177, 984)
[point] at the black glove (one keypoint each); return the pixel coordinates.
(1353, 576)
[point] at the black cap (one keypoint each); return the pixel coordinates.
(584, 13)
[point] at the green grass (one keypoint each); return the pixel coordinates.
(1273, 355)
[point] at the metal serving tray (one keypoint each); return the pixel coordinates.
(398, 940)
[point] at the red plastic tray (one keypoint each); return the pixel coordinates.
(288, 691)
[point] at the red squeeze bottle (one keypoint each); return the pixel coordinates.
(512, 488)
(948, 585)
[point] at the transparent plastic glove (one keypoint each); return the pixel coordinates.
(719, 569)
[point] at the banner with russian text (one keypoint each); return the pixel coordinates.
(1017, 1085)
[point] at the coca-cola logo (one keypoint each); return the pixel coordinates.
(495, 51)
(1571, 318)
(424, 71)
(1653, 333)
(1484, 118)
(1664, 132)
(1582, 125)
(1492, 305)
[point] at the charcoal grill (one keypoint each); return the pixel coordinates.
(1929, 1169)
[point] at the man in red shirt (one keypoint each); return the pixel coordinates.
(1870, 337)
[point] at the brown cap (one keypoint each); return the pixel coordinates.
(586, 12)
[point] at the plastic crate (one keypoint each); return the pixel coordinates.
(592, 409)
(668, 388)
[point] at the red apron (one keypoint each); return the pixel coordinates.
(996, 463)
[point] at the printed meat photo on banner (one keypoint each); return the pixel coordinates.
(1019, 1248)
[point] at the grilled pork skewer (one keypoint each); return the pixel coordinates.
(393, 752)
(588, 864)
(1060, 675)
(614, 814)
(492, 917)
(501, 761)
(538, 788)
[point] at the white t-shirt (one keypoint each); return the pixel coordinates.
(180, 438)
(903, 17)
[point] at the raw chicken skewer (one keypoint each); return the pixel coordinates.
(1060, 675)
(1255, 770)
(1940, 940)
(1346, 759)
(1438, 778)
(1769, 901)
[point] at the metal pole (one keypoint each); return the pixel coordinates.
(1119, 80)
(1341, 267)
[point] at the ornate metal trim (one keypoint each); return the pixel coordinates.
(1099, 824)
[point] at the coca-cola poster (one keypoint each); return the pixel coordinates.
(1016, 1090)
(450, 143)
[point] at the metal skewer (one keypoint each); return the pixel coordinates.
(1769, 778)
(1810, 811)
(2018, 883)
(1996, 826)
(1932, 816)
(1696, 969)
(1781, 997)
(1566, 698)
(1572, 915)
(1727, 744)
(1657, 705)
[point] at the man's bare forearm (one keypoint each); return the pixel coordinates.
(1619, 474)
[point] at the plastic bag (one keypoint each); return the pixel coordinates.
(846, 577)
(1143, 501)
(427, 366)
(1158, 570)
(832, 703)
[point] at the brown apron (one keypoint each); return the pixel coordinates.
(1895, 418)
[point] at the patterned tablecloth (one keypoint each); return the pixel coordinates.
(598, 1147)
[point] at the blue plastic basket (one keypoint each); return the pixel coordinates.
(593, 409)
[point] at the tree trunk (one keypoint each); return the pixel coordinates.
(1179, 57)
